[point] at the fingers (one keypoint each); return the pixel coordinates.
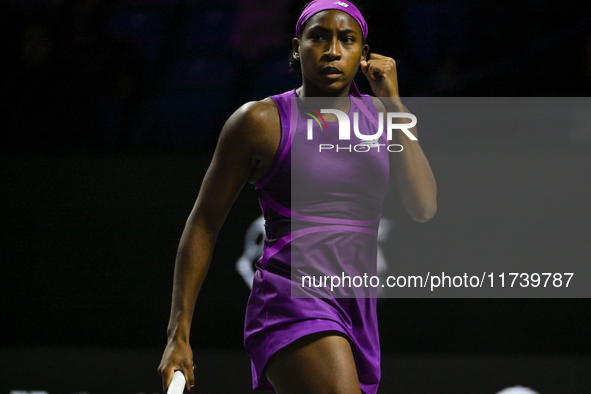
(177, 356)
(381, 73)
(376, 56)
(370, 70)
(168, 373)
(364, 67)
(166, 377)
(190, 376)
(377, 65)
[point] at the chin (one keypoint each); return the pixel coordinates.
(333, 87)
(328, 87)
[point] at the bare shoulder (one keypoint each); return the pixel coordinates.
(379, 105)
(252, 119)
(254, 130)
(382, 108)
(256, 113)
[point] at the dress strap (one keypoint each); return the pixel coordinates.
(361, 105)
(287, 108)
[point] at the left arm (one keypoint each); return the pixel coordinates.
(410, 171)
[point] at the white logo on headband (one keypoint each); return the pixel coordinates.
(341, 4)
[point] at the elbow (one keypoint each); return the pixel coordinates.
(424, 214)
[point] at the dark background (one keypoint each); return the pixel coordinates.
(113, 109)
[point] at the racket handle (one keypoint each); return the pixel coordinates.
(177, 384)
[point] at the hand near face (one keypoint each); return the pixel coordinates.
(381, 74)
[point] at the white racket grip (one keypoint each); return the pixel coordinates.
(177, 384)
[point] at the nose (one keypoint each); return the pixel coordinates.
(333, 49)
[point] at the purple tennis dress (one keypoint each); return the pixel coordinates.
(339, 197)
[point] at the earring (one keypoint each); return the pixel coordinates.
(296, 55)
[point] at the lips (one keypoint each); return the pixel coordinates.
(331, 71)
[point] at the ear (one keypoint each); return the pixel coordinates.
(364, 52)
(295, 44)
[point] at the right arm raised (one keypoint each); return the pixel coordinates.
(244, 151)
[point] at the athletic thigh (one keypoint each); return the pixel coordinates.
(317, 363)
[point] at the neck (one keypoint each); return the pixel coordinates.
(329, 99)
(309, 90)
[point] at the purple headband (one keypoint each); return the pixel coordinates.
(322, 5)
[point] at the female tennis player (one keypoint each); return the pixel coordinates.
(313, 344)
